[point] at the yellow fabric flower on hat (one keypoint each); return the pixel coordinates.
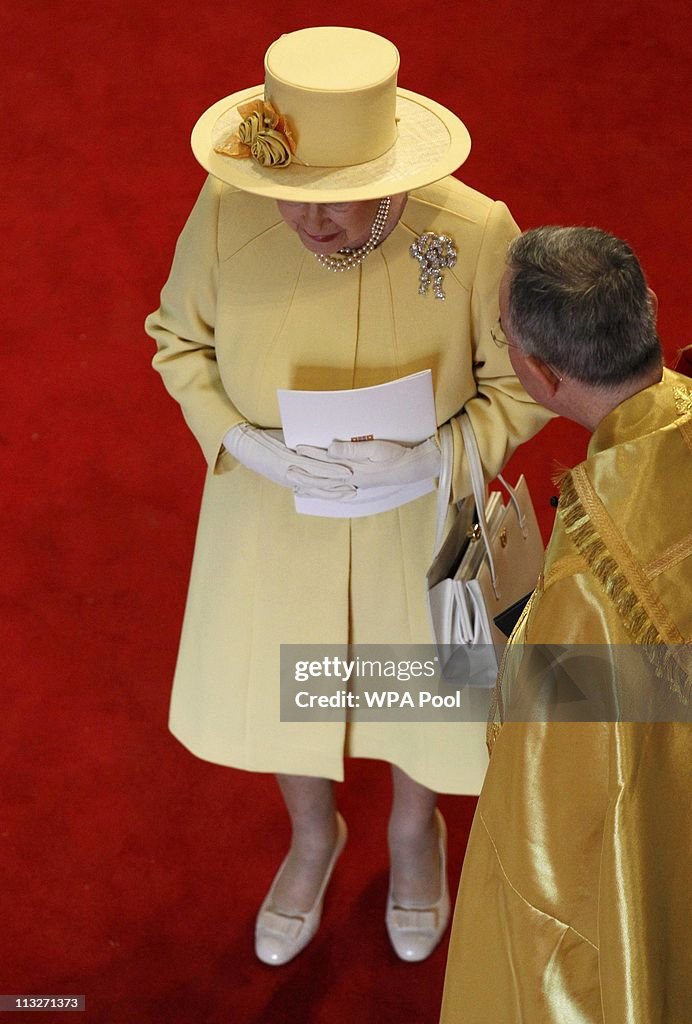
(263, 134)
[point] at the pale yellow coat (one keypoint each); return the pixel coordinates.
(248, 310)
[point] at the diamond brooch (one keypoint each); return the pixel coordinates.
(434, 253)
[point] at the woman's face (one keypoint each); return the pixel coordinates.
(324, 228)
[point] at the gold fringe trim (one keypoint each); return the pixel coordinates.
(619, 589)
(558, 473)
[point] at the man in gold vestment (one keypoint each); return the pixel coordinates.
(574, 901)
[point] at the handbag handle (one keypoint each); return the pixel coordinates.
(444, 483)
(478, 485)
(523, 525)
(480, 491)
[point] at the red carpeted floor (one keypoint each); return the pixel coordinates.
(131, 872)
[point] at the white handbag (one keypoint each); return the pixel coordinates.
(485, 568)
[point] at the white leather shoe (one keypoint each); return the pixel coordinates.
(279, 937)
(415, 931)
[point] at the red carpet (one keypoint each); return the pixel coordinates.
(131, 872)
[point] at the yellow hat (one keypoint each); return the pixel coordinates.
(330, 124)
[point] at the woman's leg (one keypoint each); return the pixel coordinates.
(413, 843)
(312, 810)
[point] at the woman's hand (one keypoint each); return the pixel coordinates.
(380, 463)
(264, 452)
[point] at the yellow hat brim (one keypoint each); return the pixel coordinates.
(432, 142)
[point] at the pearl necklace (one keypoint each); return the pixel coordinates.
(347, 259)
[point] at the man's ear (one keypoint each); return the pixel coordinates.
(653, 299)
(544, 379)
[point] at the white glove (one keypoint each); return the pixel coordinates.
(381, 463)
(264, 452)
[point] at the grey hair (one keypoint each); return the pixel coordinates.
(578, 300)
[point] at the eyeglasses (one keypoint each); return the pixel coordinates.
(501, 342)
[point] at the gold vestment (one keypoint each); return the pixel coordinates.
(574, 904)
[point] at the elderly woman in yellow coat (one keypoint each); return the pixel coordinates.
(320, 289)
